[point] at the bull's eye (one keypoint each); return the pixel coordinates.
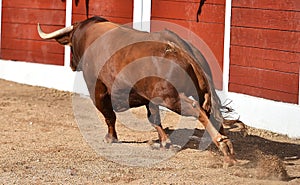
(194, 104)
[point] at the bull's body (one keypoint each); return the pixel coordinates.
(126, 68)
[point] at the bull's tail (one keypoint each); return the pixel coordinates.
(216, 107)
(212, 100)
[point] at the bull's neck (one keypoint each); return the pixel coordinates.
(97, 30)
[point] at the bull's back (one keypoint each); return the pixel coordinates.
(150, 69)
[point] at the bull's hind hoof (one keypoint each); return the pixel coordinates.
(175, 148)
(166, 144)
(153, 145)
(226, 147)
(110, 139)
(236, 126)
(229, 161)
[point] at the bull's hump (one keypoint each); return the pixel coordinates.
(97, 30)
(101, 27)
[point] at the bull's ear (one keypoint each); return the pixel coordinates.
(64, 39)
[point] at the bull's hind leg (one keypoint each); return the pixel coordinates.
(154, 119)
(187, 107)
(220, 140)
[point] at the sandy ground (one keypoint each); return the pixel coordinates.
(43, 142)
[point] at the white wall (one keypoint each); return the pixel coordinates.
(279, 117)
(52, 76)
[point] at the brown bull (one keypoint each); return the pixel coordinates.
(126, 68)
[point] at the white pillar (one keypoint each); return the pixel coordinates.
(0, 22)
(142, 14)
(67, 57)
(226, 57)
(299, 89)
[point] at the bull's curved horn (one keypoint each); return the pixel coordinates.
(54, 34)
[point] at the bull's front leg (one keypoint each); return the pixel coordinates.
(103, 103)
(154, 119)
(220, 140)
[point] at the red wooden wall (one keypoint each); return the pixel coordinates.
(119, 11)
(265, 49)
(20, 40)
(183, 12)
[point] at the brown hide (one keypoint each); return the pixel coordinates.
(107, 33)
(152, 70)
(95, 40)
(135, 45)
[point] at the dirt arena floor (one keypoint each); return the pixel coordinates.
(41, 143)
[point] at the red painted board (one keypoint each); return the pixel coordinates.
(32, 45)
(38, 4)
(113, 8)
(196, 1)
(268, 4)
(266, 79)
(276, 60)
(185, 10)
(264, 93)
(264, 38)
(269, 19)
(33, 16)
(32, 56)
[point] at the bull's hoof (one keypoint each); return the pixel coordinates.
(175, 148)
(229, 161)
(236, 126)
(154, 145)
(110, 139)
(165, 144)
(226, 147)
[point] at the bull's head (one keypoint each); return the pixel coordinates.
(74, 36)
(62, 36)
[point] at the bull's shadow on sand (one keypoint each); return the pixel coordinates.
(243, 145)
(260, 152)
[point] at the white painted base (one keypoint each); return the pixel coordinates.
(278, 117)
(51, 76)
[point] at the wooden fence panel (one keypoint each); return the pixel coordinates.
(113, 10)
(265, 49)
(210, 27)
(20, 40)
